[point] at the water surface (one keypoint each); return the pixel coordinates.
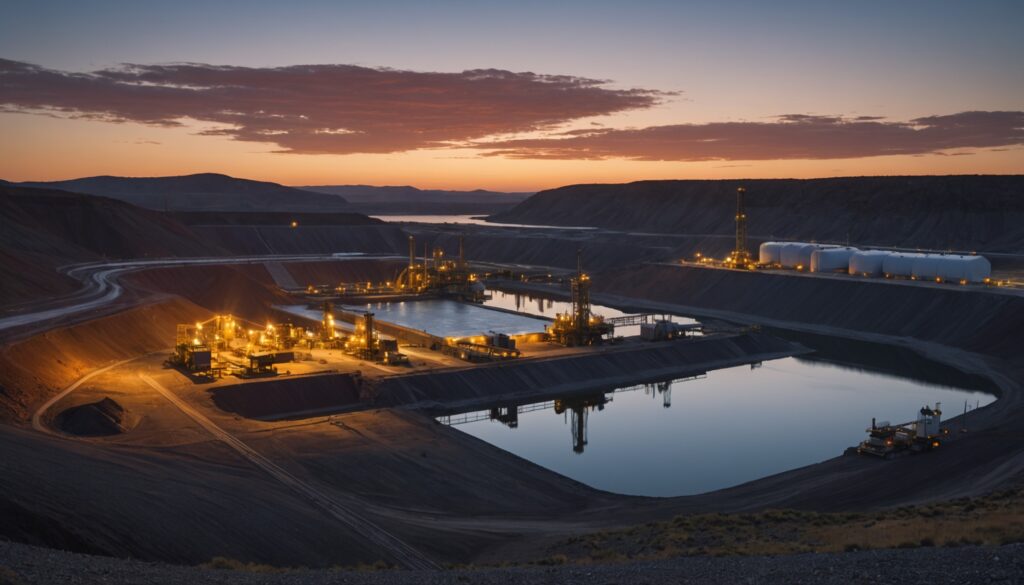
(732, 426)
(468, 220)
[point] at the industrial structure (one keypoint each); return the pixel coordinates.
(438, 275)
(367, 343)
(888, 440)
(826, 258)
(740, 256)
(222, 344)
(580, 326)
(435, 276)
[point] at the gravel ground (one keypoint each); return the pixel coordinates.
(23, 565)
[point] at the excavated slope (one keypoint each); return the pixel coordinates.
(973, 319)
(35, 369)
(961, 212)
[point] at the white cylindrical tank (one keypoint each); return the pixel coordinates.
(796, 254)
(769, 253)
(831, 259)
(976, 269)
(899, 264)
(926, 266)
(867, 262)
(960, 268)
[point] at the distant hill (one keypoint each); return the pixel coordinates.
(41, 229)
(202, 192)
(984, 212)
(410, 200)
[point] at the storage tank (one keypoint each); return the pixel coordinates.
(926, 266)
(795, 254)
(832, 259)
(769, 254)
(960, 268)
(867, 262)
(900, 264)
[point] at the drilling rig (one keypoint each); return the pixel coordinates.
(580, 326)
(740, 256)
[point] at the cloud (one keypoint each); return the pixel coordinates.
(337, 109)
(792, 136)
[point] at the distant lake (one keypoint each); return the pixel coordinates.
(465, 219)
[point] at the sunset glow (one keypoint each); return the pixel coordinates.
(682, 92)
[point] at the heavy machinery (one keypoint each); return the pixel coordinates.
(580, 326)
(740, 256)
(888, 440)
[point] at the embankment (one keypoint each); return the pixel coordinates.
(973, 319)
(536, 378)
(289, 396)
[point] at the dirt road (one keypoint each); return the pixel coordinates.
(398, 550)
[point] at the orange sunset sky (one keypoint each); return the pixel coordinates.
(511, 97)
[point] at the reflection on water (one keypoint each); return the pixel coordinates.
(695, 435)
(447, 318)
(548, 308)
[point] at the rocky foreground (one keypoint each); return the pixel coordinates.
(23, 565)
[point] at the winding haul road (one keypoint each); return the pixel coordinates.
(399, 551)
(102, 288)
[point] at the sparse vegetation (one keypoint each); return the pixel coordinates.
(995, 519)
(9, 577)
(228, 564)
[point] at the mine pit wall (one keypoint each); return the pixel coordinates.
(974, 319)
(528, 379)
(371, 239)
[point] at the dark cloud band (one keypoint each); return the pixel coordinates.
(346, 109)
(795, 136)
(338, 109)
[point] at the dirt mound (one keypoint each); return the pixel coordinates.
(962, 212)
(287, 396)
(96, 419)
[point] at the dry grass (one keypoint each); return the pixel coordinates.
(227, 564)
(992, 520)
(9, 577)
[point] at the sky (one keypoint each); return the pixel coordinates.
(510, 96)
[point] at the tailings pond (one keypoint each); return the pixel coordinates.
(727, 427)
